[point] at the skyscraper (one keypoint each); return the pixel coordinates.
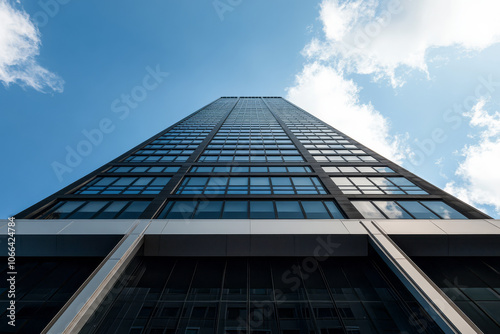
(253, 216)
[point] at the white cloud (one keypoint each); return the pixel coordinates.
(383, 39)
(19, 46)
(388, 38)
(479, 179)
(324, 92)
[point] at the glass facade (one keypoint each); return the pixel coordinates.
(44, 285)
(251, 210)
(255, 158)
(238, 148)
(472, 283)
(259, 295)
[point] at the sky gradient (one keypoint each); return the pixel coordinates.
(418, 82)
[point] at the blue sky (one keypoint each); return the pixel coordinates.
(358, 65)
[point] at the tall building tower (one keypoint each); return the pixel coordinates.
(253, 216)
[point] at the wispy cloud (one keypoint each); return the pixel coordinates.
(387, 39)
(478, 178)
(19, 46)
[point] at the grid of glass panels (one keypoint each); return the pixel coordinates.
(260, 295)
(357, 169)
(124, 185)
(278, 185)
(144, 169)
(407, 210)
(344, 158)
(377, 185)
(251, 169)
(251, 134)
(320, 140)
(96, 209)
(472, 283)
(181, 141)
(204, 209)
(45, 284)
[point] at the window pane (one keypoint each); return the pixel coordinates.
(69, 207)
(334, 210)
(160, 181)
(197, 181)
(181, 210)
(302, 181)
(233, 209)
(208, 210)
(88, 210)
(134, 210)
(361, 181)
(64, 210)
(289, 210)
(261, 210)
(367, 209)
(124, 181)
(240, 170)
(400, 181)
(331, 169)
(142, 181)
(217, 181)
(296, 169)
(258, 169)
(238, 181)
(392, 210)
(204, 169)
(383, 169)
(281, 181)
(366, 169)
(417, 210)
(341, 181)
(105, 181)
(315, 210)
(123, 169)
(111, 210)
(259, 181)
(277, 169)
(222, 169)
(443, 210)
(93, 206)
(348, 170)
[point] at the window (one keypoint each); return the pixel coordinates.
(251, 209)
(98, 209)
(344, 158)
(252, 169)
(144, 169)
(357, 169)
(407, 210)
(377, 185)
(124, 185)
(251, 185)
